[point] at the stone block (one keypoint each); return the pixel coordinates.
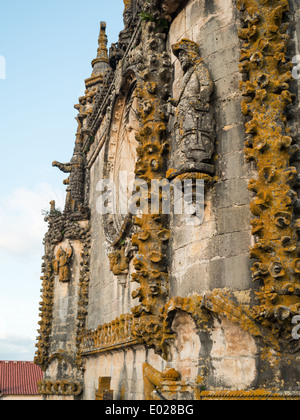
(232, 192)
(232, 244)
(233, 273)
(231, 138)
(232, 165)
(194, 279)
(212, 40)
(226, 85)
(229, 112)
(233, 219)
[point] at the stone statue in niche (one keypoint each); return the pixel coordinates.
(61, 264)
(194, 127)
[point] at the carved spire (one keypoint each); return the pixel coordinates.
(101, 63)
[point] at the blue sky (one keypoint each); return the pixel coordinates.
(48, 48)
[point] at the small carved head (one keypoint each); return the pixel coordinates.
(187, 52)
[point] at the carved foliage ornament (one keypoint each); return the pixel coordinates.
(46, 313)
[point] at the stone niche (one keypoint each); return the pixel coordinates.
(66, 295)
(215, 254)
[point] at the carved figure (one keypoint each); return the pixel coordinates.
(119, 262)
(61, 264)
(194, 126)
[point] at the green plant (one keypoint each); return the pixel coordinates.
(52, 213)
(148, 17)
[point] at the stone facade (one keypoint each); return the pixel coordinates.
(156, 306)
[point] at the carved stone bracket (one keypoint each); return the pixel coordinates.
(203, 309)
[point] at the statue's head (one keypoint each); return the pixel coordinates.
(187, 52)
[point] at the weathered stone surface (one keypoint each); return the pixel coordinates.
(162, 307)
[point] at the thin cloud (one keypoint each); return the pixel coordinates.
(22, 225)
(22, 228)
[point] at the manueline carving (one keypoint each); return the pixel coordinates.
(76, 182)
(61, 264)
(150, 262)
(270, 145)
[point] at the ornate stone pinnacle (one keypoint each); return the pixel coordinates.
(102, 53)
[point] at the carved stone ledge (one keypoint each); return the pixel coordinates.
(167, 386)
(108, 337)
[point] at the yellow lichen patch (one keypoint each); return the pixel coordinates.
(150, 262)
(266, 96)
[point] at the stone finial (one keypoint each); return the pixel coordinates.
(52, 206)
(100, 63)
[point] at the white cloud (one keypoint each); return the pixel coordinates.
(22, 228)
(17, 348)
(22, 225)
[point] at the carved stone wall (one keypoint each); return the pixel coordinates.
(162, 306)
